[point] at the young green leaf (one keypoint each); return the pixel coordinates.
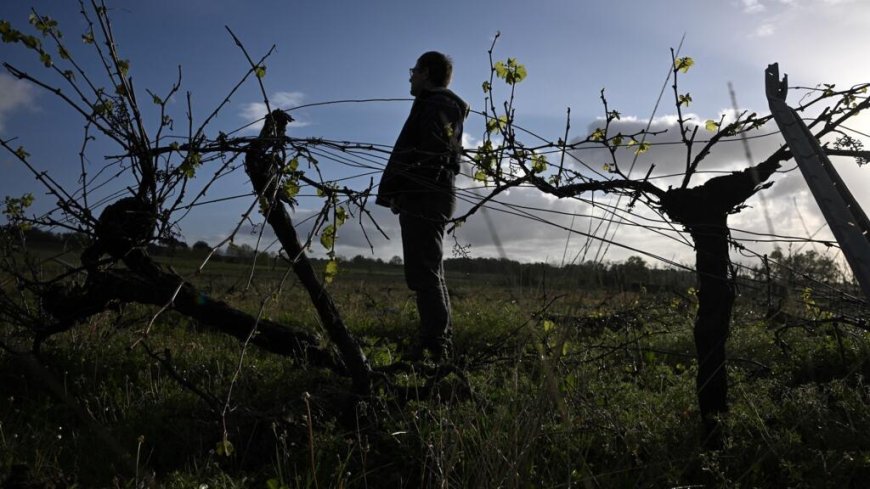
(500, 70)
(616, 140)
(291, 188)
(224, 448)
(340, 216)
(9, 34)
(190, 164)
(512, 72)
(683, 64)
(496, 123)
(539, 163)
(331, 271)
(260, 71)
(327, 237)
(548, 325)
(32, 42)
(123, 67)
(684, 99)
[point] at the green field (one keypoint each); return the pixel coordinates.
(557, 385)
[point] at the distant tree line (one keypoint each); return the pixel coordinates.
(786, 269)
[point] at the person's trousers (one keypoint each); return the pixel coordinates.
(423, 220)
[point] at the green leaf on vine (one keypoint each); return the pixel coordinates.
(190, 164)
(511, 72)
(684, 99)
(8, 33)
(291, 188)
(494, 123)
(224, 448)
(616, 140)
(539, 163)
(331, 271)
(31, 42)
(683, 64)
(327, 237)
(340, 216)
(500, 69)
(123, 67)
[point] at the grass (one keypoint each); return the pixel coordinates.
(565, 388)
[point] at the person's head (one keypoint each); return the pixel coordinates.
(433, 70)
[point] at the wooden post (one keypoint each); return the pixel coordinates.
(845, 217)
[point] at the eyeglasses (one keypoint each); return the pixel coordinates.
(414, 70)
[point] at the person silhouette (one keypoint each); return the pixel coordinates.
(418, 185)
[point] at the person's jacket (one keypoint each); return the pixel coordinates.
(425, 158)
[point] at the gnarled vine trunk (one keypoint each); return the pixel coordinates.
(704, 211)
(262, 164)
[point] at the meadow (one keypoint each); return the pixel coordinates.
(555, 384)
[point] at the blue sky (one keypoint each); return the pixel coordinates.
(330, 50)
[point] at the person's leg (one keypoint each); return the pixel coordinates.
(423, 225)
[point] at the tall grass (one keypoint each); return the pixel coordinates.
(560, 388)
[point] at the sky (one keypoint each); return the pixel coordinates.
(330, 51)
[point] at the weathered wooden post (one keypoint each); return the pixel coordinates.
(845, 217)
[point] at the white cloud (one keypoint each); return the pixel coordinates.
(752, 6)
(254, 112)
(15, 94)
(765, 30)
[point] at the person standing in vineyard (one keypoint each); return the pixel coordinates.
(418, 185)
